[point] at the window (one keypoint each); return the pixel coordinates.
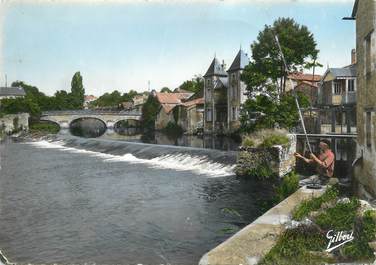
(368, 129)
(337, 88)
(208, 115)
(233, 113)
(351, 85)
(367, 54)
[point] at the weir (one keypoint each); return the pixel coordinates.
(207, 161)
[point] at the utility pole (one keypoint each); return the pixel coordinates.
(6, 80)
(149, 85)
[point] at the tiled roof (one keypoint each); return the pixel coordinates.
(215, 68)
(307, 83)
(172, 98)
(12, 91)
(304, 77)
(196, 101)
(348, 71)
(90, 97)
(240, 62)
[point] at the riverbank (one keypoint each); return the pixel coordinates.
(253, 242)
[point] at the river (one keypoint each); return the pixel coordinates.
(75, 200)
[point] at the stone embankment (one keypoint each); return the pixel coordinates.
(278, 159)
(254, 241)
(13, 122)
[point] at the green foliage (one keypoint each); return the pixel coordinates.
(173, 129)
(149, 113)
(340, 217)
(314, 204)
(365, 232)
(195, 85)
(261, 172)
(282, 113)
(265, 138)
(20, 105)
(44, 128)
(77, 91)
(275, 139)
(113, 99)
(294, 247)
(165, 90)
(248, 142)
(290, 184)
(267, 68)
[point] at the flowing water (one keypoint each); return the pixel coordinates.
(74, 200)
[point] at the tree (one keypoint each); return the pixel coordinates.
(77, 91)
(149, 113)
(263, 112)
(195, 85)
(267, 70)
(165, 90)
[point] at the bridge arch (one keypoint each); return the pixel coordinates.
(127, 126)
(88, 127)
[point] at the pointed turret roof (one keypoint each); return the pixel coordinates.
(215, 68)
(240, 62)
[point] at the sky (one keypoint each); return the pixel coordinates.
(122, 45)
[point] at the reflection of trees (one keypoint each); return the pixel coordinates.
(87, 127)
(127, 127)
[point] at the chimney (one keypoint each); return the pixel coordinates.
(353, 56)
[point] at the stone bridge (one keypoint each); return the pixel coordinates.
(110, 118)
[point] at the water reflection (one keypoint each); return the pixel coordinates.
(87, 127)
(207, 141)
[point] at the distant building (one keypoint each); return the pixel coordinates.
(223, 95)
(337, 100)
(364, 12)
(139, 100)
(168, 102)
(11, 92)
(299, 78)
(191, 115)
(88, 99)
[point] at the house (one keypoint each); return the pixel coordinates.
(298, 78)
(168, 102)
(139, 100)
(364, 12)
(191, 115)
(337, 100)
(88, 99)
(224, 94)
(11, 92)
(308, 89)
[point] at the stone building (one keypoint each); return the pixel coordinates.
(11, 92)
(364, 12)
(191, 115)
(223, 95)
(337, 100)
(168, 101)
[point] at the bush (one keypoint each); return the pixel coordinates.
(314, 204)
(173, 129)
(294, 247)
(266, 138)
(44, 127)
(340, 217)
(261, 172)
(289, 185)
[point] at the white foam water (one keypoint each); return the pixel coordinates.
(180, 162)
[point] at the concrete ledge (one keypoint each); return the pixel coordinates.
(254, 241)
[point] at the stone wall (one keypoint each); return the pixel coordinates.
(365, 170)
(279, 159)
(253, 242)
(21, 120)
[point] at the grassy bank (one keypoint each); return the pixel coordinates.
(44, 128)
(306, 243)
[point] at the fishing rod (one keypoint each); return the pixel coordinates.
(294, 92)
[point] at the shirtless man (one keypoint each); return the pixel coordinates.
(324, 162)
